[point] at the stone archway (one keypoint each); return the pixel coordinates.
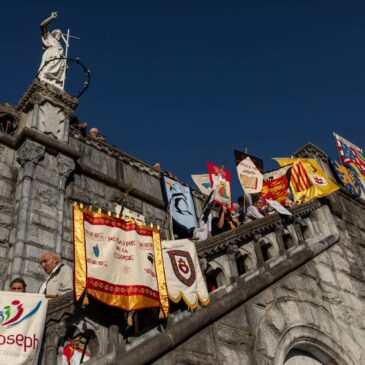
(299, 357)
(289, 328)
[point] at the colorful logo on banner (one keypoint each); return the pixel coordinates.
(223, 189)
(184, 278)
(249, 176)
(183, 266)
(347, 178)
(13, 314)
(308, 180)
(22, 319)
(276, 184)
(180, 201)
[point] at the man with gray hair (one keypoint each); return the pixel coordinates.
(59, 280)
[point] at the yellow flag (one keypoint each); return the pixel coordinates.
(308, 180)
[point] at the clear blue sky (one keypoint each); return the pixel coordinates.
(185, 82)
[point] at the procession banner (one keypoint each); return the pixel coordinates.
(223, 189)
(352, 157)
(276, 184)
(181, 204)
(22, 319)
(239, 156)
(308, 180)
(249, 176)
(347, 178)
(183, 275)
(118, 262)
(203, 183)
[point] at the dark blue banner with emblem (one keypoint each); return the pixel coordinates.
(180, 201)
(347, 178)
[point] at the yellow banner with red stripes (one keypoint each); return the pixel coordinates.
(308, 180)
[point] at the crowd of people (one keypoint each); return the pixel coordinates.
(247, 209)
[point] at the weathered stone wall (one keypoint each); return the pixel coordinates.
(318, 308)
(46, 166)
(8, 177)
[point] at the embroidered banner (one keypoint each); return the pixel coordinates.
(118, 262)
(223, 179)
(179, 199)
(183, 275)
(22, 318)
(352, 157)
(249, 176)
(347, 178)
(350, 153)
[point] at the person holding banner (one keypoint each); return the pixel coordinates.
(59, 280)
(18, 285)
(224, 222)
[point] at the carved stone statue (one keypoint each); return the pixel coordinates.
(52, 72)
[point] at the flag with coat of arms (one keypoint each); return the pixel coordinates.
(308, 180)
(347, 178)
(184, 278)
(352, 157)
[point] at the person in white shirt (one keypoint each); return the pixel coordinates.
(60, 279)
(254, 211)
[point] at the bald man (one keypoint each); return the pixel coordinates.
(59, 279)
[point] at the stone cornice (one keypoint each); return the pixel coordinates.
(124, 157)
(52, 145)
(38, 92)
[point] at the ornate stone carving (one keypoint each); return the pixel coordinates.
(233, 249)
(39, 92)
(28, 155)
(65, 165)
(51, 120)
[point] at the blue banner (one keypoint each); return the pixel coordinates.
(181, 204)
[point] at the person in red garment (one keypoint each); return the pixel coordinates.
(73, 352)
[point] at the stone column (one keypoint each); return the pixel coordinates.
(65, 166)
(28, 156)
(53, 337)
(231, 255)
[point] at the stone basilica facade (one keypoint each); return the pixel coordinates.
(290, 290)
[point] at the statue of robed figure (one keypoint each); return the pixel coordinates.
(53, 65)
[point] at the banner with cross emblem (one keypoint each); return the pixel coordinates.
(184, 278)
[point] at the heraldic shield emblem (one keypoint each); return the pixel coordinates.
(183, 266)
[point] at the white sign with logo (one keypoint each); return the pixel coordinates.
(22, 318)
(250, 177)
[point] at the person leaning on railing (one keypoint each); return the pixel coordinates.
(59, 279)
